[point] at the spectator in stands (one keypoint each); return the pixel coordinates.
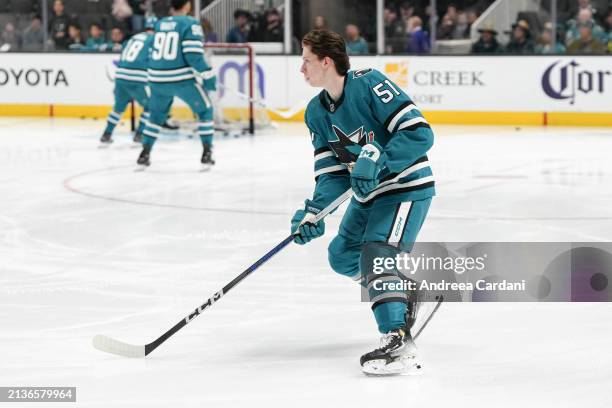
(75, 38)
(395, 32)
(476, 6)
(210, 36)
(355, 44)
(545, 42)
(462, 27)
(393, 27)
(608, 21)
(406, 11)
(472, 16)
(257, 25)
(586, 43)
(274, 27)
(520, 42)
(240, 31)
(450, 13)
(608, 27)
(487, 43)
(418, 39)
(596, 7)
(426, 16)
(585, 15)
(117, 38)
(10, 38)
(446, 28)
(58, 26)
(320, 23)
(33, 36)
(121, 10)
(139, 8)
(96, 41)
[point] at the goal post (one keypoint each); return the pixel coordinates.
(237, 102)
(211, 48)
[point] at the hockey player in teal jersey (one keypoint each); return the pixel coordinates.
(131, 81)
(176, 65)
(369, 136)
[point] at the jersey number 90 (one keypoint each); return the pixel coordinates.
(165, 46)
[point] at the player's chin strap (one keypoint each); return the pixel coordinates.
(110, 345)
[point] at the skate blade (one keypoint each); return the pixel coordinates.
(140, 168)
(104, 145)
(380, 368)
(134, 145)
(205, 167)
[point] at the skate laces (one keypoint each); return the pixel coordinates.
(388, 338)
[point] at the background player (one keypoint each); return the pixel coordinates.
(131, 81)
(369, 136)
(177, 61)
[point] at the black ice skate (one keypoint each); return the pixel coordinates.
(137, 138)
(207, 160)
(143, 160)
(395, 356)
(106, 140)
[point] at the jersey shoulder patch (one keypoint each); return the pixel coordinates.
(196, 30)
(361, 72)
(140, 36)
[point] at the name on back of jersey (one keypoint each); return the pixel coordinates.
(167, 25)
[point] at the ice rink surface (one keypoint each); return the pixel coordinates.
(89, 246)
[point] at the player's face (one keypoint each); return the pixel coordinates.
(312, 68)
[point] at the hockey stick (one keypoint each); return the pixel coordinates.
(283, 114)
(439, 299)
(110, 345)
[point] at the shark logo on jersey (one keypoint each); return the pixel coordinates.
(348, 145)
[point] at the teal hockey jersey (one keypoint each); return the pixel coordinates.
(177, 52)
(371, 108)
(134, 59)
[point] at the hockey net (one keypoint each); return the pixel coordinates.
(238, 101)
(239, 89)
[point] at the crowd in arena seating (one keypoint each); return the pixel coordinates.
(583, 26)
(407, 23)
(265, 26)
(586, 29)
(100, 25)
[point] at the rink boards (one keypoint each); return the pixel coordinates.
(533, 90)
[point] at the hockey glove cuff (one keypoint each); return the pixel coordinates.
(303, 224)
(210, 84)
(367, 167)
